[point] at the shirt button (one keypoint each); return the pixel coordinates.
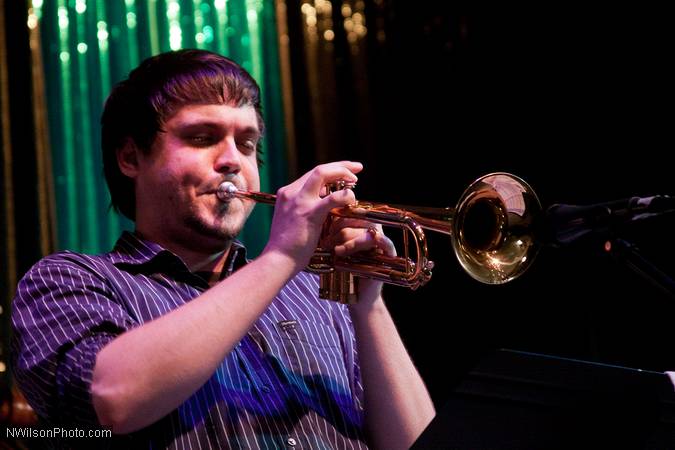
(266, 389)
(292, 442)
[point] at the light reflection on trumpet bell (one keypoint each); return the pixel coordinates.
(493, 237)
(490, 229)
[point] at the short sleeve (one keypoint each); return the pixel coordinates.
(63, 314)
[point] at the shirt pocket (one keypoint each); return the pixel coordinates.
(311, 350)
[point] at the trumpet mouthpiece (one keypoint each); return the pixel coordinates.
(226, 191)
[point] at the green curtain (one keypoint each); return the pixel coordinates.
(89, 45)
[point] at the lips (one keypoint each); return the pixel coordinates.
(213, 189)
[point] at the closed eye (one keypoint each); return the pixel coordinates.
(201, 140)
(247, 146)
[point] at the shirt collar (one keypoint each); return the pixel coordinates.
(134, 250)
(235, 259)
(131, 249)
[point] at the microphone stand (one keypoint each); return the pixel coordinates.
(569, 225)
(629, 254)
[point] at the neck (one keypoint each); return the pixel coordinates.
(194, 257)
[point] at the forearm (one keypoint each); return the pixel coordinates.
(149, 371)
(397, 404)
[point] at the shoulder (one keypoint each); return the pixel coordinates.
(70, 259)
(63, 270)
(70, 293)
(95, 266)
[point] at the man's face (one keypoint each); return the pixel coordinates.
(201, 146)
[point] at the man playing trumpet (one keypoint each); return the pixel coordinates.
(174, 339)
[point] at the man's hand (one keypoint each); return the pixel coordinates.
(300, 210)
(350, 236)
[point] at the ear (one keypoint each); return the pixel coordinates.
(127, 159)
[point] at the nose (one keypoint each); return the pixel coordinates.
(227, 159)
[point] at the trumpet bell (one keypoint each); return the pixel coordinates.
(492, 228)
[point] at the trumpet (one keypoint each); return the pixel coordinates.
(490, 229)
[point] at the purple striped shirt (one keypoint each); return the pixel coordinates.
(292, 382)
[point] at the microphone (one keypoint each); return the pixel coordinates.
(564, 224)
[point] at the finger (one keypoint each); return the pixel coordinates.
(342, 223)
(327, 173)
(343, 229)
(348, 222)
(341, 235)
(337, 199)
(364, 240)
(385, 244)
(382, 242)
(307, 183)
(359, 244)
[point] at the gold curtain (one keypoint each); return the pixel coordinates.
(26, 202)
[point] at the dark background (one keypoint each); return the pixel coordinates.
(575, 99)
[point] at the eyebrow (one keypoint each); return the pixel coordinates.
(249, 130)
